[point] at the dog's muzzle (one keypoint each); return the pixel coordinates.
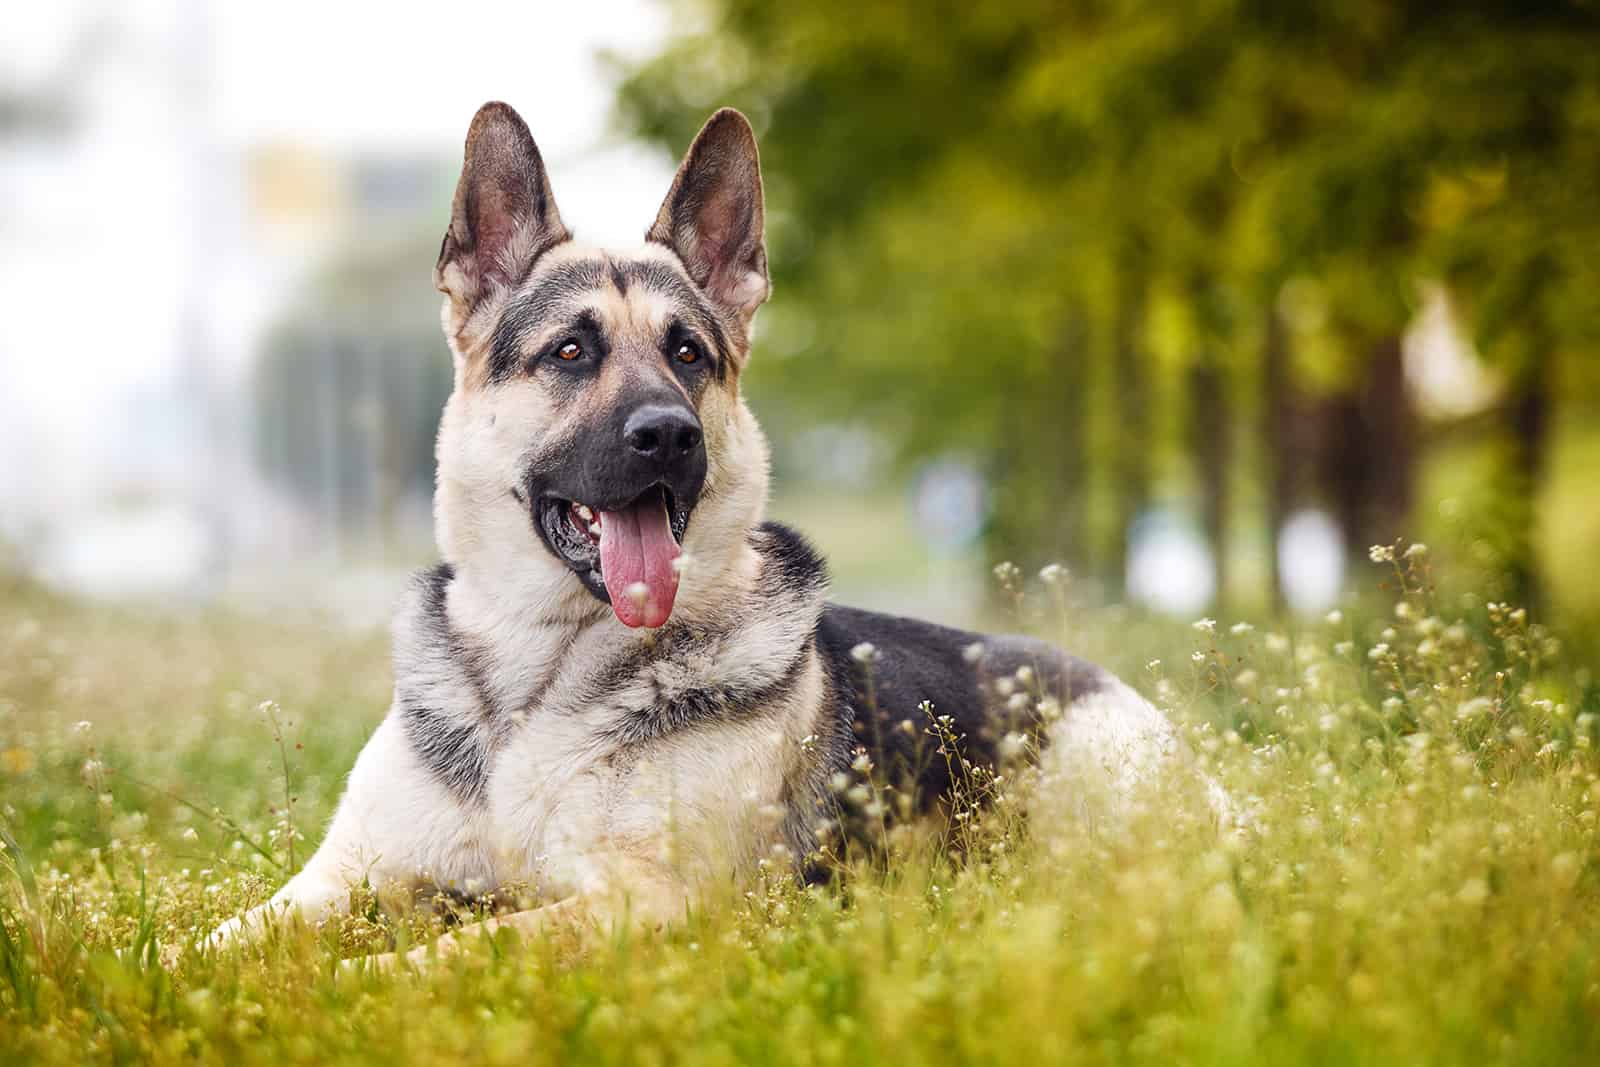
(616, 508)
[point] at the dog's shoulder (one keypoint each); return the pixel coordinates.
(790, 565)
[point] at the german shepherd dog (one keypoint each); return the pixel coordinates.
(621, 686)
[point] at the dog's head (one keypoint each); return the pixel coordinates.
(596, 442)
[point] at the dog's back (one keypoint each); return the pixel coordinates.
(921, 699)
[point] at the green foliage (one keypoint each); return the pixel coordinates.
(993, 220)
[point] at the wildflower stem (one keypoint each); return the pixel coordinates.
(216, 817)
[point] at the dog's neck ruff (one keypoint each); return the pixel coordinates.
(451, 693)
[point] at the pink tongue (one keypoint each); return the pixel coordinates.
(637, 549)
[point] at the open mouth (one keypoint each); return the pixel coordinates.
(625, 555)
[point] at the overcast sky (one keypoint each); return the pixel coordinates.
(95, 237)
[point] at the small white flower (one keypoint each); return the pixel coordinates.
(1153, 666)
(1239, 629)
(1054, 574)
(1206, 626)
(82, 726)
(1334, 617)
(189, 834)
(973, 652)
(865, 652)
(1417, 551)
(1025, 675)
(1381, 553)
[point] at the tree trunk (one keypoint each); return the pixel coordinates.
(1342, 465)
(1528, 412)
(1070, 497)
(1389, 432)
(1278, 453)
(1368, 452)
(1208, 391)
(1129, 461)
(1039, 478)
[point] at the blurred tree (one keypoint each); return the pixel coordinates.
(349, 388)
(992, 221)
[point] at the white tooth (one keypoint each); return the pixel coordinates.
(584, 513)
(594, 528)
(638, 592)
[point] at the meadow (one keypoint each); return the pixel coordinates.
(1418, 881)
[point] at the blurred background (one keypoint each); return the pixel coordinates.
(1199, 300)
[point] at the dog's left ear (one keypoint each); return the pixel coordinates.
(713, 216)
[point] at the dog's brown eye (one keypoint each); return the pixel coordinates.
(569, 351)
(688, 353)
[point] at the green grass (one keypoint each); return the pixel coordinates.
(1420, 884)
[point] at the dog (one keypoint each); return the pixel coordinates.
(622, 686)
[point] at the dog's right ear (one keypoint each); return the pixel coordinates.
(504, 216)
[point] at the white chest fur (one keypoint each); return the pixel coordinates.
(671, 750)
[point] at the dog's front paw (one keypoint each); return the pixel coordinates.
(227, 935)
(245, 927)
(418, 958)
(384, 963)
(167, 956)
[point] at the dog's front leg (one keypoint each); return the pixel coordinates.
(310, 895)
(623, 892)
(395, 824)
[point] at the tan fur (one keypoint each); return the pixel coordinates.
(590, 792)
(610, 831)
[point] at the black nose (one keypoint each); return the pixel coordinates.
(664, 434)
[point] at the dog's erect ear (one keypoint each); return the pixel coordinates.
(504, 214)
(713, 214)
